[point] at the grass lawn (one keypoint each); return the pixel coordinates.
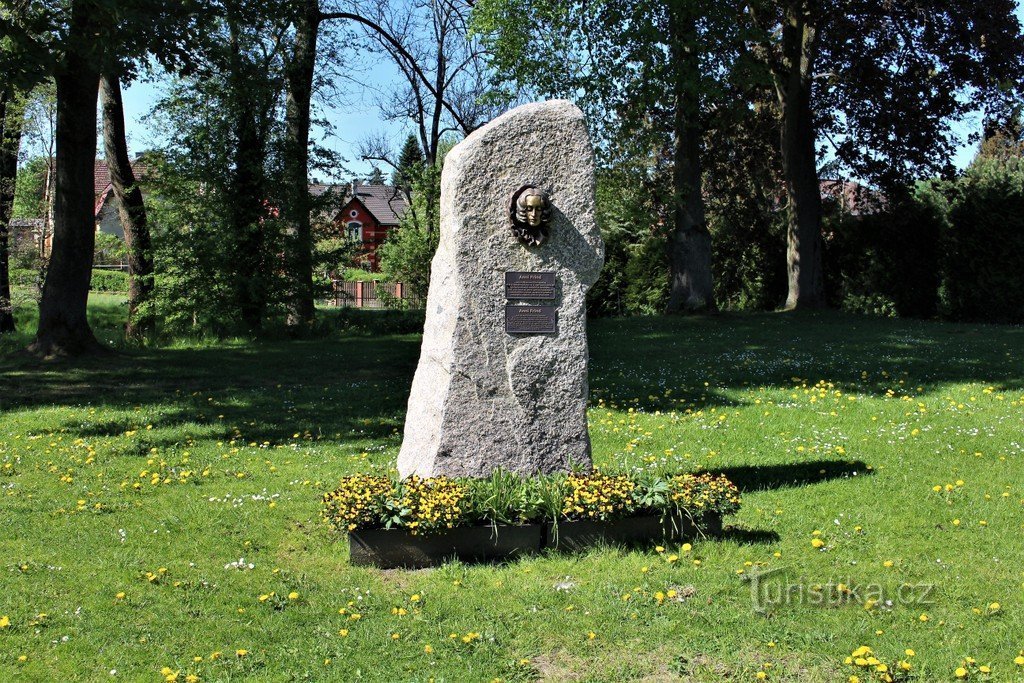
(129, 485)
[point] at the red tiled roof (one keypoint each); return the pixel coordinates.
(101, 175)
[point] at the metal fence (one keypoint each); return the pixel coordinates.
(374, 295)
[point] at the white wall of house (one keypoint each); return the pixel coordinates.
(108, 221)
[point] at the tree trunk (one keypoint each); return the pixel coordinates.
(691, 288)
(799, 160)
(63, 324)
(247, 189)
(11, 121)
(299, 76)
(131, 209)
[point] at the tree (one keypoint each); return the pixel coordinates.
(10, 142)
(131, 210)
(883, 82)
(75, 41)
(299, 72)
(221, 257)
(15, 59)
(646, 76)
(410, 162)
(445, 81)
(63, 325)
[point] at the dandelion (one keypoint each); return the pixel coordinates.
(415, 597)
(994, 607)
(343, 633)
(293, 595)
(428, 649)
(923, 618)
(817, 543)
(241, 653)
(960, 672)
(5, 622)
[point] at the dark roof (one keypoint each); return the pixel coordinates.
(386, 203)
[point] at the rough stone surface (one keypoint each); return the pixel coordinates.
(483, 399)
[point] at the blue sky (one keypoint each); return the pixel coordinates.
(358, 117)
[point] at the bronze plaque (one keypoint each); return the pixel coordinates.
(531, 319)
(536, 285)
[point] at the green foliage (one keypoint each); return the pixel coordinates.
(29, 190)
(406, 254)
(372, 323)
(218, 235)
(410, 164)
(983, 244)
(634, 278)
(109, 249)
(886, 262)
(435, 504)
(358, 274)
(109, 281)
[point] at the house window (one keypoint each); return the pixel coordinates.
(354, 231)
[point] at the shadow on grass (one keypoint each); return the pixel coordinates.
(745, 536)
(767, 477)
(260, 391)
(697, 359)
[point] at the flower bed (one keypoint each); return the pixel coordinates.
(420, 522)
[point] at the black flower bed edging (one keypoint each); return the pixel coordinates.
(397, 548)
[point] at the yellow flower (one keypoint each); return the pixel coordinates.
(415, 597)
(241, 653)
(887, 564)
(960, 672)
(908, 652)
(343, 632)
(428, 649)
(995, 607)
(395, 636)
(5, 622)
(687, 547)
(191, 678)
(985, 669)
(591, 635)
(817, 543)
(1019, 660)
(293, 595)
(923, 617)
(760, 675)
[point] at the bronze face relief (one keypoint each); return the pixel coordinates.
(531, 215)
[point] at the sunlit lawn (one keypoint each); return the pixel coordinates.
(129, 485)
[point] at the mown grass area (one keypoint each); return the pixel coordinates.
(129, 484)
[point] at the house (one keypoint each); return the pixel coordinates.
(107, 219)
(30, 234)
(367, 214)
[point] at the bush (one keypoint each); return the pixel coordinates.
(983, 244)
(886, 263)
(109, 281)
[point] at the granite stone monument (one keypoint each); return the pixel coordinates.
(502, 374)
